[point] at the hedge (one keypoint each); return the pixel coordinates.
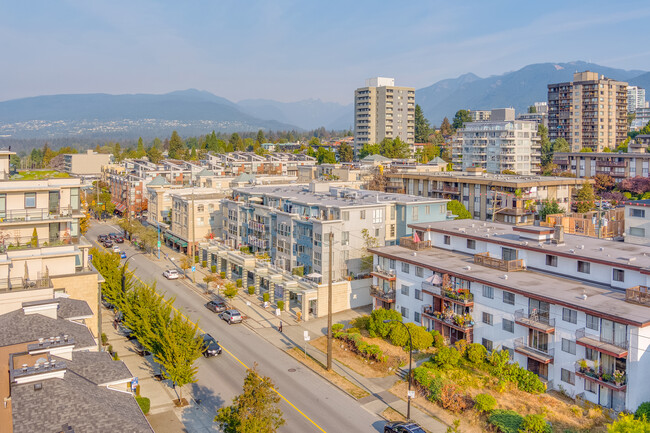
(506, 421)
(360, 347)
(430, 384)
(422, 339)
(485, 402)
(144, 404)
(376, 325)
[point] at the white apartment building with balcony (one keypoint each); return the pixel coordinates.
(550, 300)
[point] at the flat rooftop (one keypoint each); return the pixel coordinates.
(625, 255)
(301, 194)
(513, 179)
(553, 289)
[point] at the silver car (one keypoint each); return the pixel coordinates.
(231, 316)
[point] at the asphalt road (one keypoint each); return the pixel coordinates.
(312, 404)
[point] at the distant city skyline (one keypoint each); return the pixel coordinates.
(290, 50)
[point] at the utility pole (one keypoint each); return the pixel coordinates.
(329, 303)
(97, 190)
(193, 235)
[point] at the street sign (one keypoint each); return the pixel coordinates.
(90, 257)
(134, 384)
(193, 268)
(410, 394)
(277, 311)
(306, 335)
(158, 244)
(307, 338)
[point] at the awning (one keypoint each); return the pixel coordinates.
(175, 240)
(119, 206)
(313, 275)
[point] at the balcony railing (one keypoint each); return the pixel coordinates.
(408, 242)
(617, 349)
(638, 295)
(462, 322)
(41, 214)
(27, 242)
(450, 189)
(464, 296)
(541, 355)
(616, 380)
(18, 283)
(386, 296)
(484, 259)
(431, 288)
(535, 320)
(385, 275)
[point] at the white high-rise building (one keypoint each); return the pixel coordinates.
(635, 98)
(383, 110)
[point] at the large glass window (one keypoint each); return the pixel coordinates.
(614, 333)
(74, 198)
(539, 309)
(569, 315)
(3, 205)
(508, 253)
(593, 322)
(30, 200)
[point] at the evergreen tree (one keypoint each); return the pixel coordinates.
(140, 152)
(260, 137)
(561, 145)
(117, 152)
(325, 156)
(236, 142)
(550, 208)
(445, 128)
(369, 149)
(193, 155)
(346, 154)
(177, 149)
(461, 117)
(422, 127)
(154, 154)
(545, 144)
(156, 143)
(585, 198)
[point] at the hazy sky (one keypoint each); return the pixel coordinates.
(298, 49)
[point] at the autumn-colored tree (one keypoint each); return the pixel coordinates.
(603, 182)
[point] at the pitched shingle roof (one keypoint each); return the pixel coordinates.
(72, 308)
(16, 327)
(97, 367)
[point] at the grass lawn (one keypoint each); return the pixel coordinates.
(39, 174)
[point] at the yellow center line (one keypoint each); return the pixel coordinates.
(234, 357)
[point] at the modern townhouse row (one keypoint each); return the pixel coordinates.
(291, 224)
(277, 163)
(574, 310)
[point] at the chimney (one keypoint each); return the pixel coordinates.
(558, 236)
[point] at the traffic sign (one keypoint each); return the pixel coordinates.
(306, 335)
(158, 244)
(193, 268)
(410, 394)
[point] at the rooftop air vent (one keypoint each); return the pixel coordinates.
(468, 268)
(505, 276)
(572, 251)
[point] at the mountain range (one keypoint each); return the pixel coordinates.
(195, 112)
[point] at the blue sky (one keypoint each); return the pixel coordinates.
(291, 50)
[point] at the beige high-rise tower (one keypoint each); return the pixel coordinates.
(382, 110)
(590, 111)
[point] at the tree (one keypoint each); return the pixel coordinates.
(260, 137)
(236, 142)
(230, 290)
(186, 263)
(376, 325)
(140, 152)
(550, 208)
(369, 149)
(628, 424)
(422, 126)
(561, 145)
(108, 265)
(325, 156)
(154, 154)
(117, 152)
(313, 142)
(545, 145)
(427, 153)
(34, 241)
(585, 198)
(177, 148)
(603, 182)
(394, 148)
(532, 109)
(255, 410)
(369, 241)
(47, 155)
(193, 155)
(461, 117)
(445, 127)
(459, 210)
(346, 154)
(210, 278)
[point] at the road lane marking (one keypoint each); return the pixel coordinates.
(229, 353)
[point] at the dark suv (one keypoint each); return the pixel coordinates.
(403, 427)
(217, 305)
(210, 346)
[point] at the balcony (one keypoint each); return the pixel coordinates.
(545, 357)
(461, 322)
(42, 214)
(408, 242)
(610, 164)
(616, 381)
(638, 295)
(384, 275)
(616, 349)
(16, 284)
(377, 292)
(484, 259)
(450, 189)
(535, 321)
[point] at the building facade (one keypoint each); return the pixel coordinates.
(635, 98)
(588, 112)
(637, 222)
(552, 301)
(195, 216)
(618, 165)
(383, 110)
(87, 164)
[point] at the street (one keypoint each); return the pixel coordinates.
(309, 402)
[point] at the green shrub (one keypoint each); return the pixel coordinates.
(222, 274)
(144, 404)
(196, 259)
(506, 421)
(110, 348)
(446, 357)
(213, 269)
(422, 339)
(115, 357)
(281, 305)
(376, 325)
(361, 322)
(353, 331)
(251, 290)
(104, 339)
(535, 423)
(356, 343)
(485, 403)
(438, 339)
(461, 346)
(204, 264)
(476, 353)
(337, 327)
(239, 282)
(266, 297)
(429, 381)
(643, 410)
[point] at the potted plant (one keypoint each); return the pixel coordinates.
(606, 377)
(583, 365)
(619, 377)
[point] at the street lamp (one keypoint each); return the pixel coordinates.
(408, 407)
(124, 270)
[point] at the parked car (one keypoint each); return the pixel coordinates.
(102, 238)
(403, 427)
(122, 255)
(217, 306)
(140, 349)
(231, 316)
(171, 274)
(116, 249)
(119, 239)
(108, 243)
(210, 346)
(112, 236)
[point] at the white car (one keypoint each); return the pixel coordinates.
(171, 274)
(116, 249)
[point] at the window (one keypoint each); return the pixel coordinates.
(416, 316)
(415, 214)
(591, 387)
(637, 231)
(418, 294)
(200, 208)
(488, 292)
(392, 212)
(511, 352)
(346, 215)
(569, 315)
(619, 275)
(419, 272)
(376, 233)
(568, 376)
(551, 260)
(639, 213)
(30, 199)
(447, 240)
(508, 253)
(593, 322)
(377, 216)
(362, 215)
(487, 318)
(405, 267)
(405, 312)
(405, 290)
(568, 346)
(345, 238)
(199, 221)
(74, 198)
(508, 298)
(583, 267)
(487, 343)
(391, 263)
(591, 354)
(392, 230)
(508, 325)
(471, 244)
